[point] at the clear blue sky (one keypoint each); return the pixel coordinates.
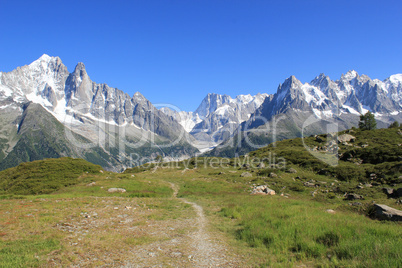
(178, 51)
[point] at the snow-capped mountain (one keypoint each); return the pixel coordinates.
(218, 116)
(284, 115)
(351, 94)
(106, 116)
(47, 82)
(41, 102)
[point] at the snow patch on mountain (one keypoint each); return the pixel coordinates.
(313, 95)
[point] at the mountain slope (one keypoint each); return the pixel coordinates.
(318, 107)
(40, 136)
(116, 126)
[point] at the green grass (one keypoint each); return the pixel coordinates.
(270, 231)
(300, 230)
(26, 253)
(45, 176)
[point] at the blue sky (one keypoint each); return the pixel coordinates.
(176, 52)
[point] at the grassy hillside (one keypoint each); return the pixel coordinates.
(377, 151)
(45, 176)
(67, 217)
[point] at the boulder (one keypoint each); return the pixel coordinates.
(388, 191)
(246, 174)
(272, 175)
(292, 170)
(263, 189)
(346, 138)
(91, 184)
(309, 184)
(384, 212)
(116, 190)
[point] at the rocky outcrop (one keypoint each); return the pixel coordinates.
(384, 212)
(263, 189)
(346, 138)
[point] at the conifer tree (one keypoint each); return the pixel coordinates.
(367, 121)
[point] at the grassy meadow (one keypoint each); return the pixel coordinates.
(58, 212)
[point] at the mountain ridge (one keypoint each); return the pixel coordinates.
(109, 117)
(324, 101)
(112, 120)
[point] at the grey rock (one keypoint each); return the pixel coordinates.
(388, 191)
(272, 175)
(292, 170)
(246, 174)
(262, 189)
(309, 184)
(116, 190)
(384, 212)
(346, 138)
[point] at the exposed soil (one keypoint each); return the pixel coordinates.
(200, 247)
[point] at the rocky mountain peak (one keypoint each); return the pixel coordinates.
(292, 82)
(80, 69)
(47, 64)
(45, 57)
(321, 81)
(350, 75)
(139, 97)
(210, 103)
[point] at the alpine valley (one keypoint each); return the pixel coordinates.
(47, 112)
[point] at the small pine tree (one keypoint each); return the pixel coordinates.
(367, 121)
(395, 124)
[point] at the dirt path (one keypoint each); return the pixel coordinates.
(206, 253)
(198, 246)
